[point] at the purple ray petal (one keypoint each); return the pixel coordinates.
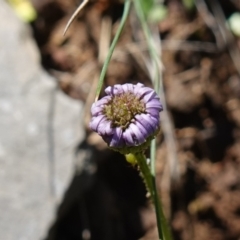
(140, 138)
(96, 121)
(154, 103)
(138, 88)
(142, 91)
(105, 128)
(127, 87)
(128, 138)
(97, 111)
(139, 85)
(154, 120)
(153, 112)
(149, 96)
(102, 101)
(114, 90)
(108, 90)
(98, 106)
(141, 119)
(142, 129)
(130, 88)
(117, 89)
(151, 124)
(116, 140)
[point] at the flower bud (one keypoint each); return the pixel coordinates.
(127, 118)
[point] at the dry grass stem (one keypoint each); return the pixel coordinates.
(105, 38)
(167, 124)
(226, 34)
(74, 15)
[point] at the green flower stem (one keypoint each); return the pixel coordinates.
(163, 230)
(142, 163)
(158, 204)
(126, 10)
(151, 47)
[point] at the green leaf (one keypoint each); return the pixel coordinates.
(157, 13)
(147, 5)
(188, 4)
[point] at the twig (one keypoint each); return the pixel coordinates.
(175, 45)
(103, 48)
(222, 34)
(210, 21)
(226, 34)
(77, 11)
(105, 39)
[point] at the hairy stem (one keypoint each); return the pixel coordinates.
(163, 230)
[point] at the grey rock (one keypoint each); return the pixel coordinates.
(39, 129)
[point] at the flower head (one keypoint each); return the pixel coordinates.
(127, 118)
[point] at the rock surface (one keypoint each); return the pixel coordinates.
(39, 129)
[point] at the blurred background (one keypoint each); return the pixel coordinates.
(58, 180)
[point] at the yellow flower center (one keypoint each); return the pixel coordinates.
(122, 109)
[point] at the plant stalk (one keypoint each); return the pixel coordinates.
(126, 11)
(163, 230)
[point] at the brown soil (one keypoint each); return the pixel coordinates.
(202, 88)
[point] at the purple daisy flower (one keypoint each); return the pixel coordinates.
(128, 116)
